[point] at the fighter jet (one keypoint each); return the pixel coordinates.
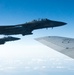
(63, 45)
(6, 39)
(27, 28)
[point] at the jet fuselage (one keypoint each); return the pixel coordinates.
(6, 39)
(27, 28)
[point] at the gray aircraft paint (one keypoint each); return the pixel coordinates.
(61, 44)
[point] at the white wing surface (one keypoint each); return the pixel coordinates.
(61, 44)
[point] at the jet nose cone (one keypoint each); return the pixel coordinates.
(61, 23)
(17, 39)
(14, 38)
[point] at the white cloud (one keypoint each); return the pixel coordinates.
(60, 67)
(36, 68)
(31, 57)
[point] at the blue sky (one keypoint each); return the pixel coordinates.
(28, 56)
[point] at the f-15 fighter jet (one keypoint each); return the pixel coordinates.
(6, 39)
(27, 28)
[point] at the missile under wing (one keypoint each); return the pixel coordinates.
(27, 28)
(61, 44)
(6, 39)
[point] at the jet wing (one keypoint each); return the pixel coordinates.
(9, 27)
(6, 26)
(61, 44)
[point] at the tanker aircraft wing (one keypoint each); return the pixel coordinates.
(61, 44)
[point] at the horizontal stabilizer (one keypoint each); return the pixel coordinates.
(61, 44)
